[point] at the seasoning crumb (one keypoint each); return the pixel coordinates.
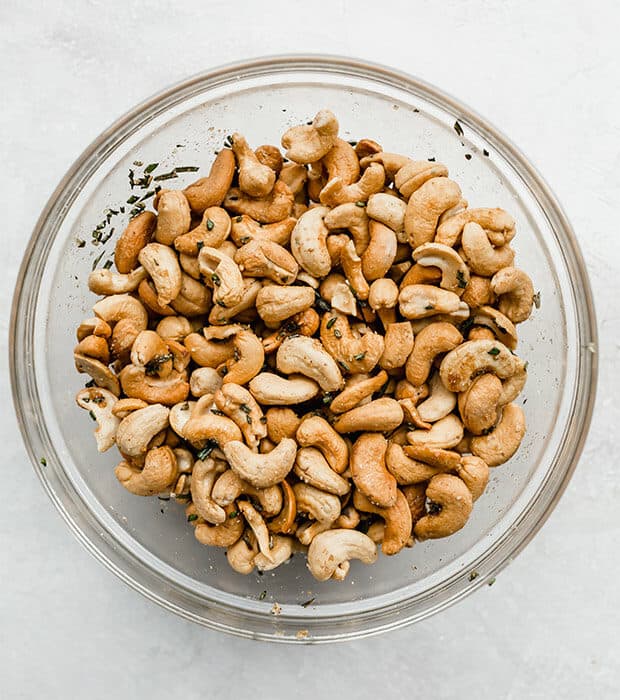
(43, 462)
(263, 595)
(468, 156)
(485, 152)
(302, 634)
(458, 128)
(275, 609)
(491, 581)
(308, 602)
(537, 300)
(473, 575)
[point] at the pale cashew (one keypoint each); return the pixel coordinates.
(273, 390)
(247, 360)
(353, 354)
(102, 281)
(397, 519)
(383, 298)
(451, 505)
(330, 552)
(255, 179)
(123, 407)
(390, 211)
(498, 225)
(238, 404)
(380, 252)
(204, 380)
(159, 472)
(516, 293)
(352, 267)
(173, 216)
(501, 326)
(308, 242)
(482, 258)
(138, 233)
(430, 341)
(310, 142)
(174, 328)
(392, 162)
(245, 229)
(212, 232)
(500, 445)
(261, 470)
(249, 292)
(320, 506)
(210, 191)
(102, 374)
(446, 432)
(240, 555)
(337, 192)
(407, 470)
(122, 307)
(223, 274)
(264, 258)
(353, 394)
(303, 355)
(194, 299)
(454, 272)
(478, 292)
(162, 264)
(422, 300)
(304, 323)
(312, 468)
(277, 205)
(229, 486)
(256, 522)
(341, 161)
(462, 365)
(512, 387)
(379, 415)
(315, 431)
(398, 342)
(294, 176)
(223, 535)
(93, 326)
(138, 384)
(369, 472)
(354, 218)
(440, 402)
(479, 404)
(415, 173)
(204, 475)
(281, 551)
(179, 415)
(100, 404)
(135, 432)
(341, 297)
(275, 304)
(426, 205)
(205, 427)
(475, 473)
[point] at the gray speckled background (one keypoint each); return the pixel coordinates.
(546, 74)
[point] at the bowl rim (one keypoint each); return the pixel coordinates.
(373, 621)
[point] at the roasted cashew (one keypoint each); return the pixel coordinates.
(284, 522)
(93, 326)
(123, 407)
(383, 298)
(501, 326)
(451, 504)
(100, 373)
(205, 427)
(179, 415)
(498, 225)
(407, 470)
(294, 176)
(516, 293)
(210, 191)
(330, 552)
(310, 142)
(255, 520)
(204, 380)
(255, 179)
(245, 229)
(308, 242)
(102, 281)
(223, 275)
(390, 211)
(162, 264)
(337, 192)
(241, 554)
(270, 155)
(212, 232)
(422, 300)
(159, 472)
(138, 233)
(174, 328)
(478, 292)
(479, 404)
(475, 473)
(204, 475)
(341, 161)
(454, 272)
(312, 468)
(273, 390)
(446, 432)
(223, 535)
(303, 355)
(415, 173)
(239, 405)
(431, 341)
(480, 255)
(319, 505)
(264, 258)
(439, 403)
(380, 415)
(369, 472)
(281, 423)
(426, 205)
(229, 486)
(397, 519)
(214, 350)
(352, 218)
(277, 205)
(138, 384)
(281, 551)
(247, 360)
(352, 395)
(249, 292)
(500, 445)
(122, 307)
(352, 267)
(398, 345)
(352, 354)
(150, 352)
(174, 216)
(275, 304)
(379, 255)
(260, 470)
(100, 403)
(315, 431)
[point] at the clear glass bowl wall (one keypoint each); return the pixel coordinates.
(147, 542)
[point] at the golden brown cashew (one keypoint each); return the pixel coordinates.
(310, 142)
(102, 281)
(354, 355)
(277, 205)
(315, 431)
(516, 293)
(241, 554)
(138, 233)
(122, 307)
(352, 218)
(204, 475)
(501, 326)
(275, 304)
(380, 252)
(337, 192)
(100, 403)
(224, 535)
(204, 380)
(430, 342)
(422, 300)
(398, 342)
(379, 415)
(174, 328)
(322, 507)
(173, 216)
(223, 274)
(260, 470)
(368, 470)
(308, 242)
(498, 225)
(439, 403)
(179, 415)
(136, 431)
(330, 552)
(475, 473)
(247, 360)
(148, 296)
(382, 298)
(204, 426)
(210, 191)
(162, 264)
(397, 519)
(367, 147)
(295, 176)
(392, 162)
(194, 298)
(214, 350)
(418, 274)
(138, 384)
(303, 355)
(271, 156)
(500, 445)
(159, 472)
(434, 456)
(212, 232)
(451, 505)
(351, 265)
(284, 523)
(238, 404)
(123, 407)
(100, 373)
(245, 229)
(454, 272)
(249, 292)
(150, 352)
(415, 173)
(479, 404)
(390, 211)
(312, 468)
(478, 292)
(229, 486)
(281, 423)
(93, 326)
(446, 432)
(407, 470)
(272, 390)
(341, 161)
(426, 205)
(281, 552)
(480, 255)
(255, 179)
(256, 522)
(354, 394)
(462, 365)
(267, 259)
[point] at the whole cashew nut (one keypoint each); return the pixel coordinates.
(245, 229)
(369, 472)
(255, 179)
(397, 519)
(390, 211)
(174, 216)
(353, 394)
(277, 205)
(239, 405)
(312, 468)
(498, 225)
(330, 552)
(303, 355)
(315, 431)
(210, 191)
(162, 264)
(352, 218)
(262, 258)
(159, 472)
(261, 470)
(275, 304)
(229, 486)
(380, 415)
(439, 403)
(354, 355)
(204, 475)
(431, 341)
(204, 426)
(446, 432)
(479, 405)
(454, 272)
(136, 431)
(101, 403)
(483, 259)
(422, 300)
(102, 281)
(308, 242)
(516, 293)
(223, 274)
(475, 473)
(337, 192)
(500, 445)
(247, 360)
(138, 233)
(426, 205)
(310, 142)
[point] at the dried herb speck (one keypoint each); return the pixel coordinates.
(308, 602)
(458, 128)
(331, 321)
(192, 517)
(210, 225)
(494, 352)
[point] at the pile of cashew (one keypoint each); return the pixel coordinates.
(312, 352)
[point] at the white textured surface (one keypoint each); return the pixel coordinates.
(546, 72)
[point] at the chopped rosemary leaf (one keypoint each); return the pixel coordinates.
(245, 408)
(187, 169)
(536, 300)
(460, 277)
(344, 365)
(92, 415)
(97, 260)
(359, 356)
(308, 602)
(429, 307)
(494, 352)
(331, 321)
(200, 245)
(360, 204)
(233, 514)
(108, 264)
(43, 462)
(215, 278)
(150, 167)
(166, 176)
(263, 595)
(458, 128)
(192, 517)
(210, 225)
(80, 242)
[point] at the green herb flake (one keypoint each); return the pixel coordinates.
(473, 575)
(108, 264)
(166, 176)
(263, 595)
(206, 450)
(344, 365)
(460, 277)
(245, 239)
(217, 412)
(331, 321)
(359, 356)
(458, 128)
(245, 408)
(337, 333)
(200, 245)
(491, 581)
(219, 302)
(494, 352)
(187, 168)
(308, 603)
(150, 167)
(263, 419)
(215, 278)
(360, 204)
(192, 517)
(43, 462)
(80, 242)
(210, 225)
(249, 420)
(97, 260)
(92, 415)
(327, 398)
(233, 514)
(239, 218)
(429, 307)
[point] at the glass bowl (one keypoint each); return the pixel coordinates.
(147, 541)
